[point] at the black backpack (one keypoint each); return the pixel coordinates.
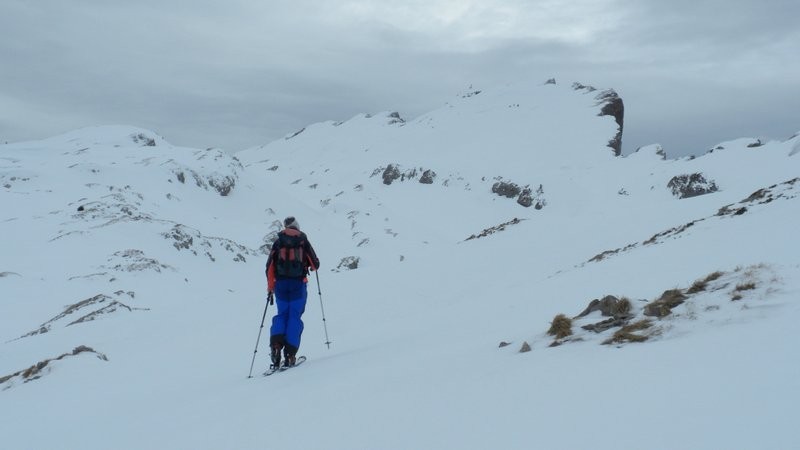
(290, 261)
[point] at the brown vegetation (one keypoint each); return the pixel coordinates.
(701, 285)
(560, 327)
(627, 333)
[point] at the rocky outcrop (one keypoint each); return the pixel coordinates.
(427, 177)
(506, 189)
(613, 106)
(132, 260)
(494, 229)
(37, 370)
(525, 195)
(390, 174)
(218, 177)
(394, 118)
(608, 306)
(348, 263)
(187, 238)
(691, 185)
(663, 305)
(610, 105)
(393, 172)
(143, 140)
(85, 311)
(785, 191)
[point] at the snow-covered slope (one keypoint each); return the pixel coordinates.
(132, 285)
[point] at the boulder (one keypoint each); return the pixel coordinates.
(691, 185)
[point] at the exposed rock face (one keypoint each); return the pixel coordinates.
(395, 118)
(506, 189)
(390, 174)
(755, 144)
(613, 106)
(427, 177)
(394, 172)
(186, 238)
(222, 182)
(608, 306)
(525, 196)
(143, 140)
(691, 185)
(37, 370)
(85, 311)
(348, 263)
(664, 305)
(494, 229)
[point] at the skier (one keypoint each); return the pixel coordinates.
(288, 264)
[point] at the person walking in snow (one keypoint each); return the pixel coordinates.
(289, 262)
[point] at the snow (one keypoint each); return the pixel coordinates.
(415, 361)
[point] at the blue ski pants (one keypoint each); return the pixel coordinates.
(290, 296)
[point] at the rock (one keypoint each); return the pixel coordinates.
(608, 306)
(427, 177)
(506, 189)
(755, 144)
(664, 305)
(579, 86)
(223, 185)
(295, 133)
(143, 139)
(691, 185)
(348, 263)
(391, 173)
(607, 324)
(613, 106)
(526, 199)
(395, 118)
(494, 229)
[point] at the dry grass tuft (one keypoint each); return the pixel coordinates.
(560, 327)
(622, 308)
(737, 292)
(627, 333)
(745, 286)
(701, 285)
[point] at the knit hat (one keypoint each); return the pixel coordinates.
(291, 222)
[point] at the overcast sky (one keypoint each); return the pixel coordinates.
(235, 73)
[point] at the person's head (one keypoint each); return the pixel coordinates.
(291, 222)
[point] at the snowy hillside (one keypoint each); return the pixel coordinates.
(132, 281)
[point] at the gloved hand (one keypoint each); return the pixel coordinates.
(270, 298)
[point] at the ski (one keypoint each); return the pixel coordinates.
(271, 370)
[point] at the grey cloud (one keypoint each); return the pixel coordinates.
(240, 73)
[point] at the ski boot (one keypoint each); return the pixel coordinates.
(289, 361)
(276, 356)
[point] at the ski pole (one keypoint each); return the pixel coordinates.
(322, 308)
(269, 300)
